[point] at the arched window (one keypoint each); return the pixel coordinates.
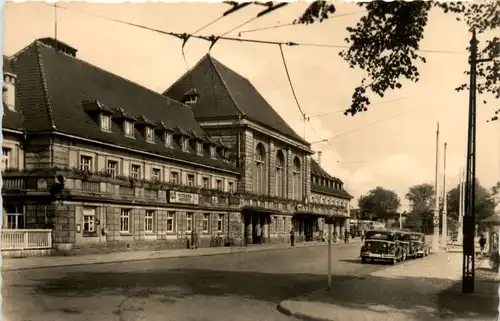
(280, 174)
(260, 169)
(296, 190)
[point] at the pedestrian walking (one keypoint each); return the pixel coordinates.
(346, 236)
(194, 239)
(292, 237)
(362, 235)
(258, 234)
(482, 243)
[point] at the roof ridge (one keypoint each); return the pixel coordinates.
(45, 90)
(185, 74)
(224, 83)
(115, 75)
(21, 51)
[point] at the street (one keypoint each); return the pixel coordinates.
(244, 286)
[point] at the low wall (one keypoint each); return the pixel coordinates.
(26, 253)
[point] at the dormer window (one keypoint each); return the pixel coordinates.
(106, 122)
(185, 144)
(191, 97)
(150, 135)
(168, 139)
(212, 151)
(199, 148)
(128, 128)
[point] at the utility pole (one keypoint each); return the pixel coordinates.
(460, 205)
(468, 263)
(329, 255)
(444, 225)
(435, 237)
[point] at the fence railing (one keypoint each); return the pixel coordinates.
(25, 239)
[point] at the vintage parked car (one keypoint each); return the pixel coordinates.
(422, 247)
(403, 241)
(381, 245)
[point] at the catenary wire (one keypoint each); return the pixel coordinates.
(294, 24)
(256, 41)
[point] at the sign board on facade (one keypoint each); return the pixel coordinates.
(330, 220)
(183, 198)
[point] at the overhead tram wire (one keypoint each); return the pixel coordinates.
(256, 41)
(342, 110)
(292, 88)
(295, 24)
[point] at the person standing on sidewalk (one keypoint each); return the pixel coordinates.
(482, 243)
(346, 236)
(292, 237)
(362, 235)
(194, 239)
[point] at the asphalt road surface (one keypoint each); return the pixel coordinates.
(242, 287)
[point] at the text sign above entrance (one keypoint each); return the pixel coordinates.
(330, 220)
(183, 198)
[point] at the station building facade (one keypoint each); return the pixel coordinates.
(107, 164)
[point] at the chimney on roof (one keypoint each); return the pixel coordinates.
(319, 157)
(9, 91)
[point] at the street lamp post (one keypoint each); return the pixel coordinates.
(469, 222)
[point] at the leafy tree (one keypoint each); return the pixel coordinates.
(385, 43)
(485, 203)
(382, 203)
(422, 198)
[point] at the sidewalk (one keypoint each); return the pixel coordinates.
(10, 264)
(417, 290)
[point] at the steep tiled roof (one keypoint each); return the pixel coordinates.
(54, 87)
(225, 93)
(317, 170)
(11, 119)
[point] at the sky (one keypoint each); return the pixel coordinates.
(392, 145)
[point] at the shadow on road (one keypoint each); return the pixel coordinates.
(408, 295)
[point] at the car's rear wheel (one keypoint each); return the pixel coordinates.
(363, 260)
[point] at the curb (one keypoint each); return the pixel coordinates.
(244, 250)
(301, 316)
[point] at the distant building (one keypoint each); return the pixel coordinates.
(94, 162)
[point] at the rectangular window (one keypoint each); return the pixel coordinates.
(199, 148)
(230, 187)
(106, 123)
(112, 168)
(170, 222)
(168, 139)
(190, 180)
(206, 220)
(128, 128)
(150, 135)
(15, 216)
(6, 155)
(220, 223)
(206, 182)
(284, 224)
(125, 221)
(212, 151)
(149, 221)
(156, 174)
(189, 222)
(88, 220)
(219, 184)
(86, 163)
(174, 177)
(136, 171)
(275, 223)
(185, 144)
